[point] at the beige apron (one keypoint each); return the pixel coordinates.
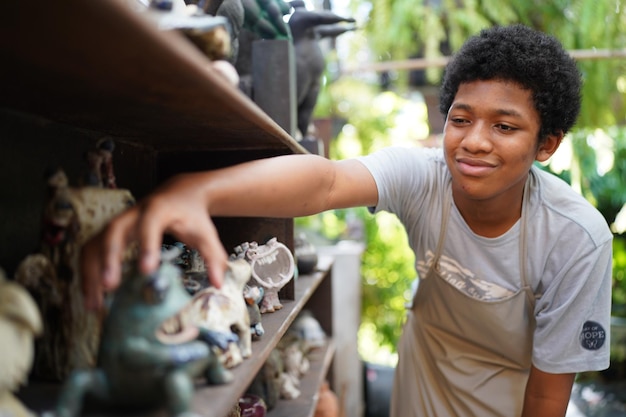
(463, 357)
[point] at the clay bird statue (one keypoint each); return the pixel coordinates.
(307, 28)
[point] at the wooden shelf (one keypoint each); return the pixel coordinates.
(75, 71)
(217, 400)
(102, 66)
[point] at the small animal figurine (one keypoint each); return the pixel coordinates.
(295, 362)
(149, 353)
(100, 161)
(307, 30)
(308, 329)
(267, 382)
(272, 266)
(20, 323)
(224, 310)
(254, 296)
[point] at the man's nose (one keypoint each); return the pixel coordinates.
(477, 138)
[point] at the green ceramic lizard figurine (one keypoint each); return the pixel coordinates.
(148, 354)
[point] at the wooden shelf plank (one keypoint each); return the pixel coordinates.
(102, 66)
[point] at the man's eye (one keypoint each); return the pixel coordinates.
(506, 128)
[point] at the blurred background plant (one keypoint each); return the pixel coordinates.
(381, 108)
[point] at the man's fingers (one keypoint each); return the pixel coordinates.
(102, 257)
(207, 242)
(150, 234)
(90, 268)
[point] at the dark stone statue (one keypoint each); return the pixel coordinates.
(307, 28)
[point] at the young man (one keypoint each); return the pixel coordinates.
(515, 267)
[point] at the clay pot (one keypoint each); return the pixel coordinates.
(252, 406)
(328, 403)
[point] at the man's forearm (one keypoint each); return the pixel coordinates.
(547, 395)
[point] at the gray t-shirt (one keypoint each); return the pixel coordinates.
(569, 253)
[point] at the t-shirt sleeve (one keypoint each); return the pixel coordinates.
(401, 175)
(573, 313)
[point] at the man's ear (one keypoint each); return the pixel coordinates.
(549, 146)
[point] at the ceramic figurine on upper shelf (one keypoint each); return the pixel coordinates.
(233, 11)
(151, 352)
(265, 18)
(272, 266)
(210, 34)
(71, 216)
(307, 28)
(20, 323)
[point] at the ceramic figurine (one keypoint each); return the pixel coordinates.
(71, 216)
(327, 402)
(254, 296)
(224, 310)
(100, 163)
(272, 266)
(267, 382)
(295, 362)
(305, 254)
(306, 29)
(265, 18)
(252, 406)
(20, 323)
(233, 11)
(150, 352)
(308, 329)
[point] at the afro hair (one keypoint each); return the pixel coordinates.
(527, 57)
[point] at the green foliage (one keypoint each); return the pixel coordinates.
(597, 169)
(401, 29)
(619, 276)
(387, 272)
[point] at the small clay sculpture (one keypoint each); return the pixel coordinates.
(267, 382)
(150, 353)
(308, 329)
(293, 353)
(71, 216)
(305, 254)
(20, 323)
(307, 28)
(224, 310)
(272, 267)
(100, 162)
(265, 18)
(254, 296)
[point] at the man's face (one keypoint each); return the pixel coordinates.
(490, 140)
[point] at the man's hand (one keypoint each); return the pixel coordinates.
(179, 208)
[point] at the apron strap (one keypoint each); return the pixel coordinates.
(530, 295)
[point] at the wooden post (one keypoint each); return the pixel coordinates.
(274, 81)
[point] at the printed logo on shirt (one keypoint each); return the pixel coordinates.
(463, 279)
(592, 336)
